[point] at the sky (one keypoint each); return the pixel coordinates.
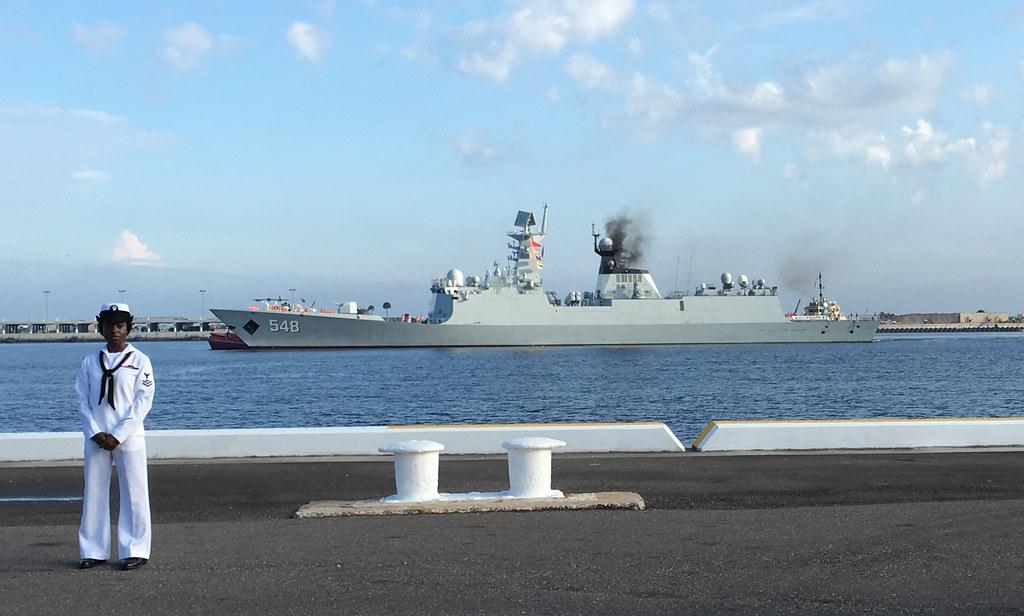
(185, 155)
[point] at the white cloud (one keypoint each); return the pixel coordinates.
(90, 175)
(706, 82)
(651, 105)
(925, 145)
(131, 250)
(766, 95)
(43, 148)
(538, 27)
(311, 42)
(918, 197)
(598, 18)
(879, 155)
(421, 18)
(747, 141)
(589, 71)
(98, 39)
(185, 46)
(989, 162)
(474, 150)
(660, 12)
(478, 150)
(845, 93)
(539, 30)
(188, 45)
(493, 64)
(857, 143)
(636, 47)
(980, 95)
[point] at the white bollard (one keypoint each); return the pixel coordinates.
(415, 470)
(529, 466)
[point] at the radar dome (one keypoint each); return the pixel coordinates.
(606, 244)
(744, 281)
(761, 282)
(726, 279)
(456, 276)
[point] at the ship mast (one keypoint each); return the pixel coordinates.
(527, 249)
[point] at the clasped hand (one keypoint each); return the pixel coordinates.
(105, 441)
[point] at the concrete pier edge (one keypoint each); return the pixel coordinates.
(881, 433)
(639, 437)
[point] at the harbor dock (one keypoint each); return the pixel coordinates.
(924, 531)
(84, 330)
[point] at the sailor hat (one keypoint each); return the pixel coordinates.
(115, 313)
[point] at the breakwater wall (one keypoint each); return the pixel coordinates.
(949, 328)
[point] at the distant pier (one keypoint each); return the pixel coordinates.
(948, 328)
(145, 329)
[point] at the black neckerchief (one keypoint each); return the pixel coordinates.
(108, 378)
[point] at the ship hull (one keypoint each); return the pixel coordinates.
(259, 329)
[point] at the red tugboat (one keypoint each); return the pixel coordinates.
(226, 340)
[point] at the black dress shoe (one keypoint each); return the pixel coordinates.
(133, 563)
(89, 563)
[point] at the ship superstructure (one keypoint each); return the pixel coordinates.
(508, 306)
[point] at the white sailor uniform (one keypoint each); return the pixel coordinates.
(115, 404)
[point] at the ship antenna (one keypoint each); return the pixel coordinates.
(677, 274)
(593, 231)
(821, 290)
(544, 221)
(689, 272)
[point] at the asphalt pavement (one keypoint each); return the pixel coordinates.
(893, 532)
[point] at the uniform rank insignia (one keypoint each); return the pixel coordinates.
(146, 380)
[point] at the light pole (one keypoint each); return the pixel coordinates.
(202, 314)
(46, 294)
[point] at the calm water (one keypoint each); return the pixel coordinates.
(897, 376)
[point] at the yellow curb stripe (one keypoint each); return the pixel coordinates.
(862, 419)
(704, 433)
(526, 425)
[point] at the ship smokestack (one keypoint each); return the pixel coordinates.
(629, 235)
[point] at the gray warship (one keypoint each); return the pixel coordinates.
(508, 307)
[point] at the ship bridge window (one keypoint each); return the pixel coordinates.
(681, 307)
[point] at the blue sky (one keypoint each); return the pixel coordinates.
(354, 150)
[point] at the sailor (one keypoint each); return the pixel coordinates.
(114, 389)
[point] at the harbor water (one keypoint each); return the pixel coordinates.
(941, 375)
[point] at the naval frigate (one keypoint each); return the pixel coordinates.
(509, 307)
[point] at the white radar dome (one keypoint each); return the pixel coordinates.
(726, 278)
(456, 276)
(761, 282)
(744, 281)
(606, 244)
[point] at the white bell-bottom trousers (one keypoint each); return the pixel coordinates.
(133, 524)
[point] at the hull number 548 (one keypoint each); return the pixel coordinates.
(286, 325)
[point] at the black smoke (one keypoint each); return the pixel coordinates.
(629, 232)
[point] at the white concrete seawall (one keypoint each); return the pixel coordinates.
(769, 435)
(644, 437)
(362, 441)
